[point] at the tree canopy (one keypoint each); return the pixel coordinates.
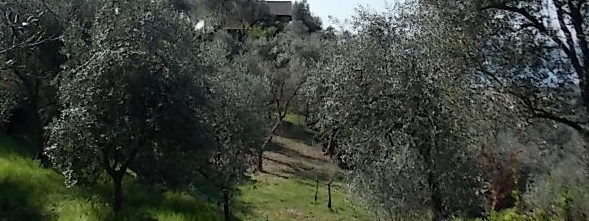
(433, 110)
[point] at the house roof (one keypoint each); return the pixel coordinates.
(280, 7)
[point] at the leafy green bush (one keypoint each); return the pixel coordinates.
(561, 210)
(512, 214)
(258, 32)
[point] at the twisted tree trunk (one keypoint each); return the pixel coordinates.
(316, 189)
(226, 208)
(329, 204)
(117, 201)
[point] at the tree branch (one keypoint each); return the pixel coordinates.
(539, 113)
(18, 30)
(49, 9)
(569, 37)
(535, 22)
(294, 94)
(141, 138)
(577, 21)
(106, 163)
(550, 116)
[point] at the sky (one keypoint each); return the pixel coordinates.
(342, 9)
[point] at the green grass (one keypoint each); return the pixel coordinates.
(287, 190)
(280, 199)
(295, 119)
(294, 126)
(28, 192)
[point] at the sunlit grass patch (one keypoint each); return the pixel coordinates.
(295, 119)
(278, 198)
(183, 207)
(81, 209)
(29, 192)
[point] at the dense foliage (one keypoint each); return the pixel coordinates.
(132, 83)
(402, 113)
(435, 109)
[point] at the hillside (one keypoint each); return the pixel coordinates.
(285, 191)
(28, 192)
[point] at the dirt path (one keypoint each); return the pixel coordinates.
(286, 190)
(292, 158)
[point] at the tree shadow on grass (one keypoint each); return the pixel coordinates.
(278, 162)
(242, 208)
(276, 175)
(22, 199)
(147, 202)
(308, 173)
(301, 171)
(297, 132)
(280, 149)
(16, 203)
(29, 192)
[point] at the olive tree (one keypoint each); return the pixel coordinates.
(538, 51)
(533, 53)
(284, 61)
(30, 47)
(400, 99)
(136, 68)
(302, 12)
(27, 25)
(236, 117)
(239, 126)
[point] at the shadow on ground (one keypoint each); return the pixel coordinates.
(297, 132)
(307, 163)
(281, 149)
(294, 174)
(15, 203)
(29, 192)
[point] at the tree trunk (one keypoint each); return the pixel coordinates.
(40, 134)
(226, 211)
(260, 161)
(117, 201)
(260, 166)
(436, 198)
(585, 87)
(329, 205)
(331, 144)
(316, 189)
(37, 119)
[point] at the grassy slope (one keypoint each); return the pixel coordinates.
(28, 192)
(286, 190)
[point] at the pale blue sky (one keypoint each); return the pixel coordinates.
(342, 9)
